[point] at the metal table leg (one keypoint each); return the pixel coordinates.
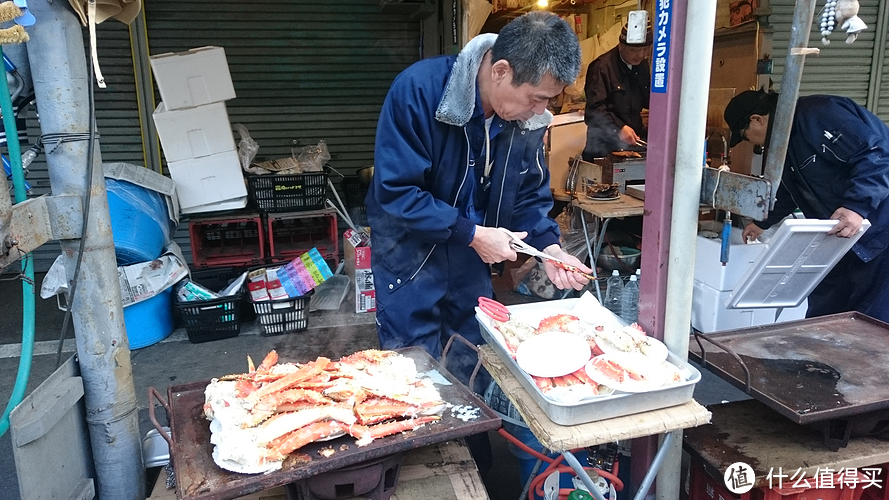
(646, 481)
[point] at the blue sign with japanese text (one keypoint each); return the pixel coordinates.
(661, 50)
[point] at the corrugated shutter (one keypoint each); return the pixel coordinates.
(117, 119)
(881, 55)
(302, 71)
(840, 69)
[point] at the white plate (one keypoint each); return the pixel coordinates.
(653, 375)
(656, 350)
(553, 354)
(610, 198)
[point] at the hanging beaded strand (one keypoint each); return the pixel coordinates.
(828, 15)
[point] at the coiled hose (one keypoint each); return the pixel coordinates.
(554, 464)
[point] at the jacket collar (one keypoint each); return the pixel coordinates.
(458, 101)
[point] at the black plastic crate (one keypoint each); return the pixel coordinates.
(283, 315)
(214, 319)
(288, 193)
(217, 278)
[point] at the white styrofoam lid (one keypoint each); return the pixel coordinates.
(799, 256)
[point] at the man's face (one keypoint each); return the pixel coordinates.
(633, 55)
(522, 102)
(756, 130)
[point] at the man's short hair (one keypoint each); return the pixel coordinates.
(538, 43)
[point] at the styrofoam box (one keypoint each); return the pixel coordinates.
(193, 132)
(207, 180)
(709, 313)
(710, 271)
(192, 78)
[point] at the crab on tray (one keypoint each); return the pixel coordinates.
(581, 363)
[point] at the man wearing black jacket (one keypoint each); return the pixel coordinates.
(618, 84)
(837, 167)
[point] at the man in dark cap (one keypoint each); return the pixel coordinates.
(837, 167)
(618, 85)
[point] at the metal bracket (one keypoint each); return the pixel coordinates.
(736, 193)
(36, 221)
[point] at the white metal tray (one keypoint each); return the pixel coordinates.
(592, 409)
(799, 256)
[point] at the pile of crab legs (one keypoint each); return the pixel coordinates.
(319, 400)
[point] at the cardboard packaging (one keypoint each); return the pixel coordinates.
(358, 269)
(209, 180)
(193, 132)
(192, 78)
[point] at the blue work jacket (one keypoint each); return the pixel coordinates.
(430, 128)
(838, 156)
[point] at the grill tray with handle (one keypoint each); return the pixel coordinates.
(198, 476)
(826, 372)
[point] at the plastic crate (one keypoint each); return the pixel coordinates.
(215, 319)
(227, 241)
(288, 193)
(291, 235)
(283, 315)
(217, 278)
(879, 490)
(704, 486)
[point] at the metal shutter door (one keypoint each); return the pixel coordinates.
(840, 69)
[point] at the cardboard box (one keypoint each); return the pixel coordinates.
(208, 180)
(219, 206)
(192, 78)
(193, 132)
(358, 269)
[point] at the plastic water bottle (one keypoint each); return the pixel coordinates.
(639, 276)
(629, 301)
(613, 292)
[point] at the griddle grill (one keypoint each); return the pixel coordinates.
(828, 373)
(198, 476)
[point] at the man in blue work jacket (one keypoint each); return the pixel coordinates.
(837, 167)
(458, 154)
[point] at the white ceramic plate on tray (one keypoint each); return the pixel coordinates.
(553, 354)
(653, 376)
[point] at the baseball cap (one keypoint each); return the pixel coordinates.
(648, 37)
(738, 111)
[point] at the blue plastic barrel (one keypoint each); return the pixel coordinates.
(150, 321)
(140, 222)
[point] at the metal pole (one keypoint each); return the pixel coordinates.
(58, 65)
(797, 49)
(693, 102)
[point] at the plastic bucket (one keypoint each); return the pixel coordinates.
(150, 321)
(528, 461)
(140, 222)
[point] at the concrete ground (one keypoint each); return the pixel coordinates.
(175, 360)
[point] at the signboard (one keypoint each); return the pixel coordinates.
(661, 50)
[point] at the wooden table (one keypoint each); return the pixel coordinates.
(603, 212)
(563, 439)
(750, 432)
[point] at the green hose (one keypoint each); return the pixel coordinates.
(28, 291)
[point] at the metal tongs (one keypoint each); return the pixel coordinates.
(641, 143)
(518, 245)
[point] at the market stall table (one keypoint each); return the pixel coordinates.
(750, 432)
(604, 211)
(563, 439)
